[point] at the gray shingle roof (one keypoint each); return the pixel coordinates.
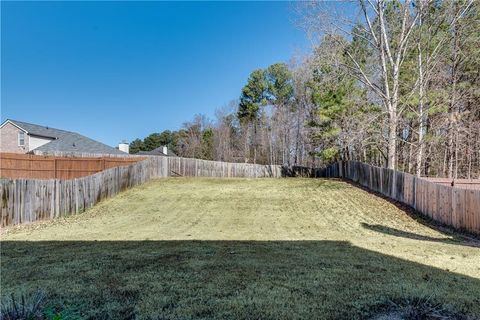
(158, 152)
(65, 141)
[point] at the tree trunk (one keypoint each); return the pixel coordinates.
(421, 120)
(255, 142)
(297, 140)
(452, 106)
(392, 139)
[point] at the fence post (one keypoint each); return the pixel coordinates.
(55, 168)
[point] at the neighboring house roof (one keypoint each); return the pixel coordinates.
(64, 141)
(158, 152)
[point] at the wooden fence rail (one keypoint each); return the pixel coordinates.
(28, 200)
(27, 166)
(460, 183)
(455, 206)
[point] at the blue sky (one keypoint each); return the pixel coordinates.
(122, 70)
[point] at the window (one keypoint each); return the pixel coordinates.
(21, 138)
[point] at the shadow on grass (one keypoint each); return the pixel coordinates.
(459, 240)
(224, 279)
(459, 236)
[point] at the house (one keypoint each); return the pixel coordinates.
(160, 151)
(22, 137)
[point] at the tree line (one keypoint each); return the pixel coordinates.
(390, 83)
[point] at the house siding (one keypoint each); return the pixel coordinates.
(35, 142)
(9, 139)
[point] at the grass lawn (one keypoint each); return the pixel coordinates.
(182, 248)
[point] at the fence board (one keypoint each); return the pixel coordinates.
(27, 166)
(460, 183)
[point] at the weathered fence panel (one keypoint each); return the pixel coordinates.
(460, 183)
(27, 166)
(29, 200)
(204, 168)
(457, 206)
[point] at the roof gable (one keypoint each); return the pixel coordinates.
(43, 131)
(8, 121)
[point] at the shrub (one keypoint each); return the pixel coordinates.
(26, 307)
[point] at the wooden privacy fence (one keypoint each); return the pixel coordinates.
(459, 183)
(27, 166)
(299, 171)
(29, 200)
(454, 206)
(204, 168)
